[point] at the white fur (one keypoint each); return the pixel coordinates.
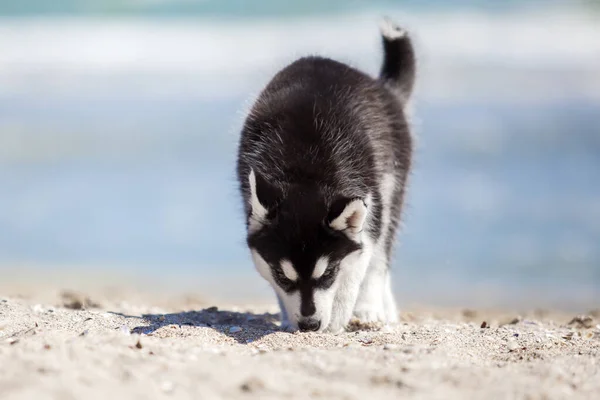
(291, 308)
(388, 185)
(386, 189)
(324, 304)
(334, 305)
(288, 302)
(288, 270)
(375, 302)
(389, 302)
(390, 30)
(370, 302)
(262, 266)
(259, 212)
(320, 267)
(285, 321)
(347, 286)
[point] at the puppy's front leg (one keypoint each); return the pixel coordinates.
(349, 278)
(285, 321)
(343, 305)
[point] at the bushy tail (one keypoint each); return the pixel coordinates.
(399, 64)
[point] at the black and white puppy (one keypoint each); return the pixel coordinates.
(323, 161)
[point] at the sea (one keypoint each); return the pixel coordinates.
(119, 124)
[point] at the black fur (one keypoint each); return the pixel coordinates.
(320, 135)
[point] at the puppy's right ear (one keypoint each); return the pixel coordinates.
(348, 216)
(263, 198)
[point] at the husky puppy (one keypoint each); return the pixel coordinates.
(323, 160)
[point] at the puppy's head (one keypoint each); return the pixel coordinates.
(301, 242)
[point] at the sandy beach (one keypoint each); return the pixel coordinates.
(57, 344)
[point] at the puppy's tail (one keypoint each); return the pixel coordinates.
(399, 64)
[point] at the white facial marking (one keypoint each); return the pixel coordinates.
(324, 299)
(288, 270)
(261, 266)
(320, 267)
(259, 212)
(290, 302)
(352, 218)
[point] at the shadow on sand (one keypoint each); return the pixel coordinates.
(253, 326)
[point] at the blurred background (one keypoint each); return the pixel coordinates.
(119, 123)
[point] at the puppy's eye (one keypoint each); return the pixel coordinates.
(329, 272)
(282, 279)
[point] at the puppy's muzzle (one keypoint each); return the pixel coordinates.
(309, 325)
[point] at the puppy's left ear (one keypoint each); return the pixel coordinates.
(348, 216)
(263, 198)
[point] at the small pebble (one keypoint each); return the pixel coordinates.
(568, 336)
(38, 308)
(252, 385)
(582, 321)
(484, 325)
(235, 329)
(262, 349)
(167, 386)
(381, 380)
(512, 345)
(365, 341)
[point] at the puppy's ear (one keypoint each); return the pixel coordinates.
(348, 216)
(263, 198)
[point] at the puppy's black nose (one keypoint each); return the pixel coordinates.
(309, 324)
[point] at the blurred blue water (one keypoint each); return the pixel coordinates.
(504, 194)
(527, 211)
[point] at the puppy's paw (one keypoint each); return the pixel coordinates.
(391, 315)
(371, 315)
(335, 330)
(336, 326)
(287, 326)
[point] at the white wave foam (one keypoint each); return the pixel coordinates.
(233, 55)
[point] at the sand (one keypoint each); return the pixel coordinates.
(57, 345)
